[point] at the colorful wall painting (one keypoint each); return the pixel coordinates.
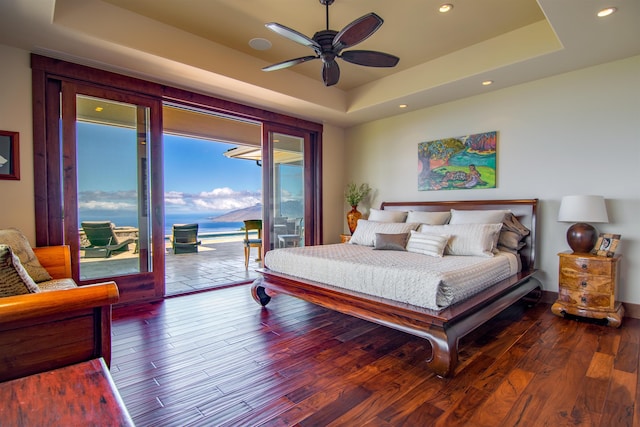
(465, 162)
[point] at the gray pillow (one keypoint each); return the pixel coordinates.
(21, 247)
(391, 242)
(365, 233)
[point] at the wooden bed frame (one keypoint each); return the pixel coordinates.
(443, 329)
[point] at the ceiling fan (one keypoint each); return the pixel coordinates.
(329, 45)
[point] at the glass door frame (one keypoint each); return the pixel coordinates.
(70, 93)
(142, 285)
(312, 183)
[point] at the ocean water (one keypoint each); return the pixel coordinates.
(203, 219)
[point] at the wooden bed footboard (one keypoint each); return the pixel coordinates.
(443, 329)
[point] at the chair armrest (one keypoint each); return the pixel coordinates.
(55, 259)
(45, 304)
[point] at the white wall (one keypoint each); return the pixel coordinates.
(16, 197)
(333, 183)
(576, 133)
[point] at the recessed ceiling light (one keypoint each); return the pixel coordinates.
(402, 106)
(606, 12)
(487, 82)
(260, 44)
(445, 8)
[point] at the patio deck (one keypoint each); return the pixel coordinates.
(218, 262)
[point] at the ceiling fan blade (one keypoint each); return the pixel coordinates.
(330, 73)
(370, 58)
(289, 63)
(357, 31)
(292, 35)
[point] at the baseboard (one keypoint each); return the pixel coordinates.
(630, 310)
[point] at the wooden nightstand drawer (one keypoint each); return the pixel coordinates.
(585, 282)
(591, 300)
(587, 266)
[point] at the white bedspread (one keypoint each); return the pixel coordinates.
(417, 279)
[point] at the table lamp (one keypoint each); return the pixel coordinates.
(581, 210)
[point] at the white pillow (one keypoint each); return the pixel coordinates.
(387, 216)
(427, 243)
(365, 233)
(477, 216)
(468, 239)
(431, 218)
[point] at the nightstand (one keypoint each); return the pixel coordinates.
(344, 238)
(587, 287)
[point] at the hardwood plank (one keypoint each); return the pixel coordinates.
(218, 358)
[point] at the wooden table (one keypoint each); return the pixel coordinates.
(78, 395)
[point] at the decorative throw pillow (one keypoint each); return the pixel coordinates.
(468, 239)
(512, 234)
(21, 247)
(14, 280)
(509, 241)
(387, 216)
(431, 218)
(391, 242)
(366, 230)
(427, 243)
(477, 216)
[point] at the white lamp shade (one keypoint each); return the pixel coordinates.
(583, 209)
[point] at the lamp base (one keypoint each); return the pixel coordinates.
(582, 237)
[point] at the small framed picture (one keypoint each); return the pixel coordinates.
(9, 155)
(606, 245)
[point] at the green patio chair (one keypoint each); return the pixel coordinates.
(185, 238)
(102, 239)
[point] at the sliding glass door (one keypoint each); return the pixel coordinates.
(290, 180)
(107, 180)
(112, 187)
(98, 158)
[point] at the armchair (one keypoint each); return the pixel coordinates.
(60, 325)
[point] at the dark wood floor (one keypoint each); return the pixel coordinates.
(217, 358)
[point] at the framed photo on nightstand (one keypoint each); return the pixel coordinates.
(606, 245)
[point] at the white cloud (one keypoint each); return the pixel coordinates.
(104, 205)
(217, 200)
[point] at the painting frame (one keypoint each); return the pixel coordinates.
(9, 155)
(606, 245)
(458, 163)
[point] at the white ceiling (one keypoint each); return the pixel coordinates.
(202, 45)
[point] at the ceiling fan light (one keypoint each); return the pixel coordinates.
(445, 8)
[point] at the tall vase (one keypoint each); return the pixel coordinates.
(352, 218)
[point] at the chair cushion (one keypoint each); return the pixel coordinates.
(21, 247)
(14, 279)
(57, 284)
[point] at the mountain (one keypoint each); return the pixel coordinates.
(239, 215)
(290, 209)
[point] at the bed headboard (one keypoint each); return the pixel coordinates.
(524, 209)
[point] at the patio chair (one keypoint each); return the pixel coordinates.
(103, 241)
(250, 225)
(185, 238)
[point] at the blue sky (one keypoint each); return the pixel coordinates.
(198, 177)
